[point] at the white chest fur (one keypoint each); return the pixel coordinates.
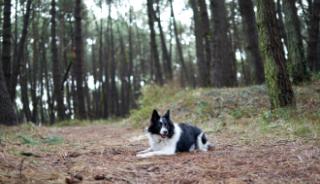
(162, 146)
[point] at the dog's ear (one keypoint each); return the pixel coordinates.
(155, 116)
(167, 114)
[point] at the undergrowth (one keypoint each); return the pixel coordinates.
(242, 110)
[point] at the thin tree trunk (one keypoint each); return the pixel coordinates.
(78, 67)
(56, 66)
(34, 74)
(251, 36)
(24, 89)
(7, 112)
(6, 43)
(280, 22)
(203, 69)
(123, 76)
(95, 94)
(167, 65)
(114, 96)
(277, 78)
(206, 37)
(20, 52)
(105, 96)
(153, 44)
(313, 33)
(297, 66)
(184, 70)
(42, 116)
(131, 76)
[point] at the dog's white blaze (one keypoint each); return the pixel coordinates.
(160, 146)
(163, 129)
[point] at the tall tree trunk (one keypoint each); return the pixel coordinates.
(251, 35)
(78, 67)
(114, 96)
(35, 67)
(167, 65)
(277, 78)
(95, 105)
(131, 76)
(203, 68)
(24, 88)
(313, 33)
(224, 66)
(297, 66)
(153, 44)
(45, 88)
(41, 78)
(7, 112)
(20, 52)
(56, 65)
(103, 109)
(123, 76)
(6, 43)
(279, 10)
(48, 89)
(206, 37)
(106, 84)
(184, 69)
(238, 44)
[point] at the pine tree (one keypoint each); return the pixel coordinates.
(277, 78)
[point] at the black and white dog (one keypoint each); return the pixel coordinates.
(167, 138)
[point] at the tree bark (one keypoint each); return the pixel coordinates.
(203, 68)
(20, 52)
(313, 34)
(114, 96)
(251, 36)
(206, 37)
(131, 76)
(123, 77)
(184, 69)
(6, 43)
(153, 45)
(223, 67)
(277, 78)
(167, 64)
(56, 66)
(297, 66)
(279, 10)
(78, 67)
(24, 88)
(7, 112)
(34, 73)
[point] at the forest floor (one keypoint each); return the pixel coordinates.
(250, 147)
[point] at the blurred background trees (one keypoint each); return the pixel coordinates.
(65, 59)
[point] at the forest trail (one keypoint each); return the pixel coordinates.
(106, 154)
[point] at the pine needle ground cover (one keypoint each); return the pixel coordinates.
(252, 143)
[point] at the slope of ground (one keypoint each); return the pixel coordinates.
(252, 144)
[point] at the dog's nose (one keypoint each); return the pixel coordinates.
(165, 132)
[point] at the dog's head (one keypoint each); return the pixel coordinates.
(161, 125)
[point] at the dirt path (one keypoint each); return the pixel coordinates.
(106, 154)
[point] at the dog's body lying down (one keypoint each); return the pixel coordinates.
(167, 138)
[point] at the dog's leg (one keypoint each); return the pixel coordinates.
(145, 151)
(154, 153)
